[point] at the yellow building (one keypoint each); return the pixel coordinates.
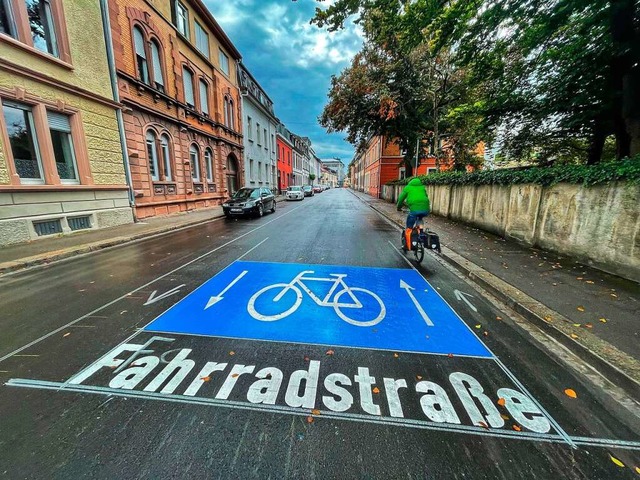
(61, 156)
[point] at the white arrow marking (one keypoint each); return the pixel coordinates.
(215, 299)
(153, 299)
(463, 297)
(424, 315)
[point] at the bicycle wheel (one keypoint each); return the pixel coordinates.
(403, 239)
(251, 306)
(418, 253)
(359, 323)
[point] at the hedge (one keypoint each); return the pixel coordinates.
(624, 170)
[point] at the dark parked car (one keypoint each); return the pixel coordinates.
(250, 201)
(308, 191)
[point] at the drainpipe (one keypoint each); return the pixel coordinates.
(106, 27)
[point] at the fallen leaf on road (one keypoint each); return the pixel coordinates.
(570, 393)
(548, 318)
(395, 355)
(450, 355)
(66, 334)
(578, 278)
(501, 402)
(235, 375)
(315, 412)
(376, 390)
(588, 325)
(581, 309)
(616, 461)
(418, 377)
(603, 320)
(573, 335)
(638, 470)
(614, 295)
(590, 282)
(554, 284)
(478, 326)
(483, 425)
(232, 353)
(306, 359)
(330, 352)
(504, 417)
(485, 333)
(122, 312)
(577, 324)
(205, 379)
(309, 419)
(516, 428)
(498, 318)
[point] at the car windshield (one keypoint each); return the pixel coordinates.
(245, 193)
(307, 187)
(294, 189)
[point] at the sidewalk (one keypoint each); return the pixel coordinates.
(46, 250)
(595, 314)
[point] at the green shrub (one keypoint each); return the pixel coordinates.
(624, 170)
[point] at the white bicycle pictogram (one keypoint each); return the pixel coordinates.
(297, 285)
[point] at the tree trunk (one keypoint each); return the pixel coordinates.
(596, 145)
(626, 108)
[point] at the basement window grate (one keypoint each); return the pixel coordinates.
(48, 227)
(79, 223)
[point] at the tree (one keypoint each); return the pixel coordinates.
(312, 177)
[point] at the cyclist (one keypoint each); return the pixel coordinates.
(417, 199)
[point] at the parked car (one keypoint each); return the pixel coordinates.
(294, 193)
(249, 201)
(317, 189)
(308, 191)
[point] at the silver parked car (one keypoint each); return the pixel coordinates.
(294, 193)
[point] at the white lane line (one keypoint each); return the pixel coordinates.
(502, 366)
(420, 424)
(93, 312)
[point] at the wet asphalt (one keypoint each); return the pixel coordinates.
(58, 320)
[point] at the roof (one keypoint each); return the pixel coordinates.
(226, 42)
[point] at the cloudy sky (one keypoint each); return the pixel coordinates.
(292, 60)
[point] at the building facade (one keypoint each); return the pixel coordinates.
(379, 163)
(177, 80)
(328, 177)
(260, 128)
(284, 149)
(301, 147)
(61, 158)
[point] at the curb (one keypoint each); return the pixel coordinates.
(57, 255)
(542, 317)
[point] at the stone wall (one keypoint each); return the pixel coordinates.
(597, 225)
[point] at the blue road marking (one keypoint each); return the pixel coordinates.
(378, 308)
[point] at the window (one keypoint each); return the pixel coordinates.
(249, 128)
(260, 171)
(158, 78)
(7, 22)
(202, 40)
(224, 62)
(182, 19)
(258, 134)
(194, 156)
(63, 150)
(43, 33)
(166, 157)
(152, 156)
(273, 144)
(23, 142)
(187, 80)
(208, 161)
(141, 55)
(252, 173)
(204, 97)
(230, 115)
(266, 147)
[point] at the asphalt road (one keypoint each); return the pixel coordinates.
(209, 353)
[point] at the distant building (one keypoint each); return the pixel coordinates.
(284, 150)
(338, 167)
(260, 132)
(62, 167)
(301, 146)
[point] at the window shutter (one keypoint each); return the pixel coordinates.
(58, 121)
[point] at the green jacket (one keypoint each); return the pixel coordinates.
(415, 194)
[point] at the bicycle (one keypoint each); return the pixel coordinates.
(419, 239)
(297, 285)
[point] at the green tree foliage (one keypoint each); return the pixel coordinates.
(552, 79)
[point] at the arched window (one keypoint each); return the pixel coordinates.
(158, 77)
(152, 155)
(208, 161)
(187, 80)
(141, 55)
(165, 147)
(204, 96)
(225, 111)
(194, 157)
(230, 115)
